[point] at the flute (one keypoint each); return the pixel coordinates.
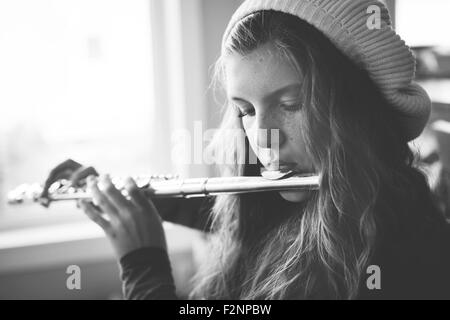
(168, 186)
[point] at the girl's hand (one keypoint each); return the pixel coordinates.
(69, 169)
(128, 224)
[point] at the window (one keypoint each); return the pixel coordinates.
(76, 82)
(423, 22)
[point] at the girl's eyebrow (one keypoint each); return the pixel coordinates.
(277, 92)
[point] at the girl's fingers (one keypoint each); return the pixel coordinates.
(100, 199)
(113, 194)
(66, 166)
(62, 171)
(82, 173)
(94, 214)
(136, 195)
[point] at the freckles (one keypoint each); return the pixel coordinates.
(291, 127)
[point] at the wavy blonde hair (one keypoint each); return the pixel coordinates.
(259, 251)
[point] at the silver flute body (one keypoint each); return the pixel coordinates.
(199, 187)
(175, 187)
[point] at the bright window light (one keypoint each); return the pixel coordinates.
(423, 22)
(75, 81)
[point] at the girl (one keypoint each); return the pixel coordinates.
(341, 95)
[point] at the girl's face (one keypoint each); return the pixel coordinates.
(265, 88)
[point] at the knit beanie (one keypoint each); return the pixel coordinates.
(388, 60)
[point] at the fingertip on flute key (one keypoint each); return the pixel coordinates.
(130, 183)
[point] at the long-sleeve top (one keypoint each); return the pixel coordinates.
(413, 257)
(146, 272)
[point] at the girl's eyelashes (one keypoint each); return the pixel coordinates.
(293, 105)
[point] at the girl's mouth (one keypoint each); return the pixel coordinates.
(282, 166)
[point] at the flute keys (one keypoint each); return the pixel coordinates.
(54, 187)
(159, 177)
(24, 192)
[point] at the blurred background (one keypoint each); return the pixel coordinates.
(106, 83)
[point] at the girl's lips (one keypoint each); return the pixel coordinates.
(284, 168)
(281, 167)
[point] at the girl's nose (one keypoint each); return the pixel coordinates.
(270, 133)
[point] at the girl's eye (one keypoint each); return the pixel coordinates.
(291, 106)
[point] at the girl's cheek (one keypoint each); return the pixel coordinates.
(292, 128)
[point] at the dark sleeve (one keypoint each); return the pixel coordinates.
(189, 212)
(146, 275)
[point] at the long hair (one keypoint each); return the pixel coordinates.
(356, 141)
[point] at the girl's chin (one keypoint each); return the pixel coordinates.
(294, 196)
